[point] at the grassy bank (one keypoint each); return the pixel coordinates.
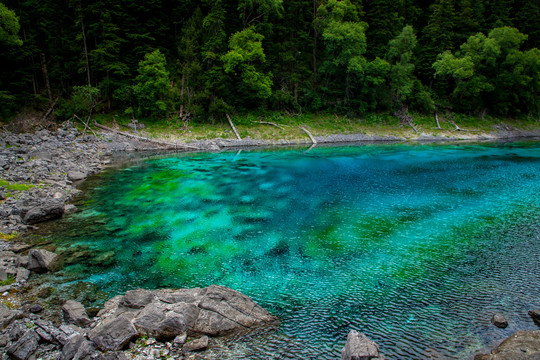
(275, 126)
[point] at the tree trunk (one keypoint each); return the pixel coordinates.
(233, 127)
(437, 121)
(86, 53)
(181, 112)
(46, 78)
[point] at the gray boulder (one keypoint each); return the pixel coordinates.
(499, 320)
(165, 321)
(522, 345)
(40, 260)
(535, 316)
(49, 209)
(359, 347)
(75, 313)
(78, 348)
(25, 346)
(113, 334)
(164, 314)
(196, 345)
(7, 316)
(75, 175)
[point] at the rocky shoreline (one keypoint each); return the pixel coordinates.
(39, 174)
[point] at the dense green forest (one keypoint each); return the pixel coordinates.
(169, 58)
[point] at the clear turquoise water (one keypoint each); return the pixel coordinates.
(416, 246)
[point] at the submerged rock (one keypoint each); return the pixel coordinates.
(499, 320)
(535, 316)
(359, 347)
(523, 345)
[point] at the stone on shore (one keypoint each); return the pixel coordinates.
(75, 175)
(523, 345)
(25, 346)
(40, 260)
(359, 347)
(49, 209)
(499, 320)
(75, 313)
(113, 334)
(164, 314)
(7, 316)
(196, 345)
(535, 316)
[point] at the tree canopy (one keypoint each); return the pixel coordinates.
(165, 58)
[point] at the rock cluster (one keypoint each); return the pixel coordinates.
(47, 163)
(161, 320)
(17, 268)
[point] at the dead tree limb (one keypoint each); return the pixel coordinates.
(86, 125)
(309, 134)
(451, 120)
(50, 109)
(405, 118)
(233, 127)
(437, 121)
(270, 123)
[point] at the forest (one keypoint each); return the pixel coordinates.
(203, 59)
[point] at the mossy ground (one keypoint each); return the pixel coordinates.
(257, 126)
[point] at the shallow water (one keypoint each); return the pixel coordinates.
(416, 246)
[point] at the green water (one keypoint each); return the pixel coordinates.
(416, 246)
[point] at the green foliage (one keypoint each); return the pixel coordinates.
(152, 86)
(10, 280)
(491, 72)
(9, 27)
(243, 60)
(294, 55)
(81, 102)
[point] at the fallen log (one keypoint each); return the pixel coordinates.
(309, 134)
(164, 144)
(233, 127)
(270, 123)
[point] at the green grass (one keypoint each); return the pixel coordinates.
(10, 280)
(256, 126)
(15, 186)
(8, 237)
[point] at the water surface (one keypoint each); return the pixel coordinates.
(414, 245)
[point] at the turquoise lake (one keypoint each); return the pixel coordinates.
(414, 245)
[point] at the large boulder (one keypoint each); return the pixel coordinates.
(522, 345)
(48, 209)
(7, 316)
(359, 347)
(40, 260)
(113, 334)
(164, 314)
(25, 346)
(75, 313)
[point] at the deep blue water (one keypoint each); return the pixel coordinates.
(414, 245)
